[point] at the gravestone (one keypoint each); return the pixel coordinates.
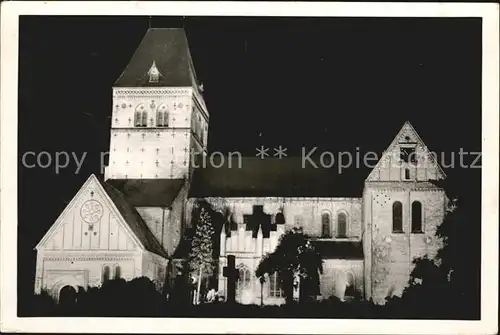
(232, 274)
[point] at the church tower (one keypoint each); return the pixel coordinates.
(402, 208)
(159, 115)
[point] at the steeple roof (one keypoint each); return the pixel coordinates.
(162, 51)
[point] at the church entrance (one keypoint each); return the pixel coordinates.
(67, 296)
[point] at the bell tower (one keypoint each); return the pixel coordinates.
(159, 115)
(402, 210)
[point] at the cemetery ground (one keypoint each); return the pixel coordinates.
(139, 298)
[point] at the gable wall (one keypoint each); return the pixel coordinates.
(391, 166)
(74, 233)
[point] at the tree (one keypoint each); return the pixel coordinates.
(294, 256)
(452, 279)
(201, 254)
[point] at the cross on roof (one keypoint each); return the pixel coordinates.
(258, 219)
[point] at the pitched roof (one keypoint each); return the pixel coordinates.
(410, 134)
(148, 192)
(134, 221)
(273, 177)
(330, 249)
(168, 49)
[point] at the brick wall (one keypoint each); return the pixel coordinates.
(392, 253)
(84, 269)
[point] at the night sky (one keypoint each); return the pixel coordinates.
(335, 83)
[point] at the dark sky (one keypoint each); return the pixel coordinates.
(336, 83)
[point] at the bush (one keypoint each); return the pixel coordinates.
(114, 298)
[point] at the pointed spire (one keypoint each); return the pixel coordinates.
(259, 232)
(259, 242)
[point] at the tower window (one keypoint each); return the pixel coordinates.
(341, 225)
(416, 217)
(325, 225)
(138, 119)
(408, 154)
(407, 174)
(397, 217)
(141, 117)
(162, 118)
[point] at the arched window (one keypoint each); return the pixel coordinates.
(416, 217)
(162, 116)
(138, 119)
(325, 225)
(144, 118)
(105, 273)
(118, 272)
(141, 117)
(275, 290)
(244, 280)
(341, 225)
(397, 217)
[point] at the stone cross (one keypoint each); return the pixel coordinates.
(258, 218)
(232, 274)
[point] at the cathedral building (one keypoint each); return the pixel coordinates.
(132, 222)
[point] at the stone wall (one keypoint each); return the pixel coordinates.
(58, 269)
(392, 253)
(305, 212)
(175, 221)
(155, 268)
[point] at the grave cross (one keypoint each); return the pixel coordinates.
(232, 274)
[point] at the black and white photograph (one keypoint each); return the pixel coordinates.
(170, 162)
